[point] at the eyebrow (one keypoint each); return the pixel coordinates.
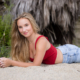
(26, 23)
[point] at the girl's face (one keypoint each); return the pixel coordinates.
(25, 27)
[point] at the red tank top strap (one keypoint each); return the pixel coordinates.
(38, 38)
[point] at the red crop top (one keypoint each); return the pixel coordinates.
(50, 55)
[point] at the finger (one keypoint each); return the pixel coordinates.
(1, 59)
(2, 64)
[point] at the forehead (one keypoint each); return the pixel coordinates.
(22, 21)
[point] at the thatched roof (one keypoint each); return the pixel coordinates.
(56, 18)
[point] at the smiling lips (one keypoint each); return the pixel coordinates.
(25, 33)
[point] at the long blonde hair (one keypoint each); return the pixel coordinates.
(20, 44)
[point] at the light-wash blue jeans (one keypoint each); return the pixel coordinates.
(71, 53)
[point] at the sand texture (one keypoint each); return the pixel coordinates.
(62, 71)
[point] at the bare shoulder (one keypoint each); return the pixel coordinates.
(42, 42)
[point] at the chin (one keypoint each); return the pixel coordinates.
(26, 35)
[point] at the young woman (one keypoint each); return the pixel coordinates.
(27, 44)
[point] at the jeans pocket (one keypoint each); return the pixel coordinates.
(72, 56)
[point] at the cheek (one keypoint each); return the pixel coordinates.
(30, 28)
(20, 30)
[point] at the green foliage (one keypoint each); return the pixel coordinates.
(5, 28)
(4, 51)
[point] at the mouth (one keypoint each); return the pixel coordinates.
(25, 33)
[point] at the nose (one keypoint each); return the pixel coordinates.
(24, 29)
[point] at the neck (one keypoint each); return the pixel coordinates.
(32, 38)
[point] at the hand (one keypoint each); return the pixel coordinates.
(5, 62)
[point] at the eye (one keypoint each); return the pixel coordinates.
(26, 24)
(19, 27)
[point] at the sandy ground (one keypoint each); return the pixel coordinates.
(62, 71)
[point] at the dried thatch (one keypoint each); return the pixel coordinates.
(56, 18)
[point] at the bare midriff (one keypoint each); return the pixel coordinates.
(59, 58)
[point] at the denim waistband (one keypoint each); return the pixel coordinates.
(71, 53)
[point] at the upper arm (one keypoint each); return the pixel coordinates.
(41, 48)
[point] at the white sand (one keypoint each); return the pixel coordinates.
(44, 72)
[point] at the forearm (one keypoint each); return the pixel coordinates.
(21, 64)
